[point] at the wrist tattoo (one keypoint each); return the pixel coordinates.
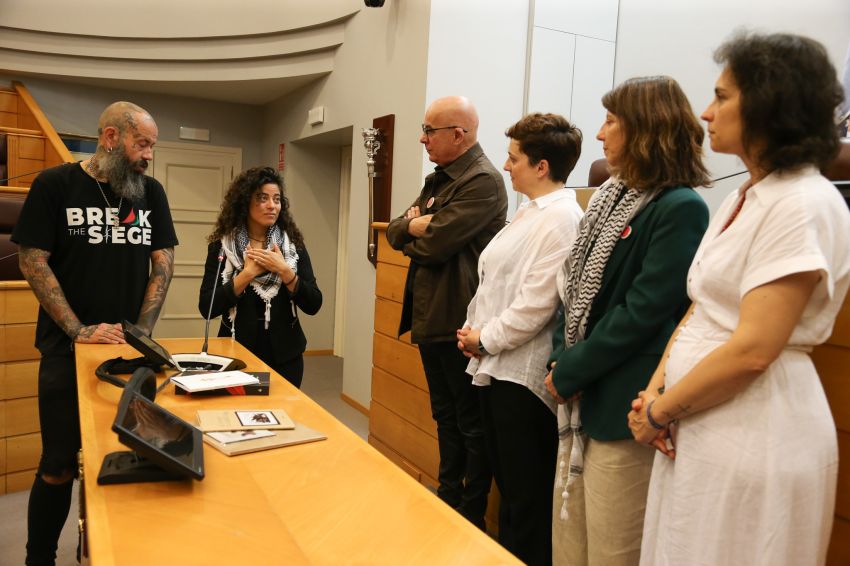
(682, 410)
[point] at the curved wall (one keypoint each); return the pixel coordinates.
(206, 43)
(165, 19)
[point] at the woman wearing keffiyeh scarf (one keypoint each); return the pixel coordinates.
(265, 273)
(623, 291)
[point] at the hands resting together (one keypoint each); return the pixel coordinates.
(663, 439)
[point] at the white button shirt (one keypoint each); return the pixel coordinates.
(517, 296)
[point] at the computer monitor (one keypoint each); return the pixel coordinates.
(164, 446)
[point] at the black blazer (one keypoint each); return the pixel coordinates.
(286, 334)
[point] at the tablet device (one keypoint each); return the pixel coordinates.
(165, 447)
(147, 346)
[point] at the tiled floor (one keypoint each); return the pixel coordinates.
(322, 382)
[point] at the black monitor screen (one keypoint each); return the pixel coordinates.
(146, 345)
(165, 439)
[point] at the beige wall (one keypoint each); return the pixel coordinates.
(74, 108)
(675, 38)
(313, 191)
(380, 69)
(167, 18)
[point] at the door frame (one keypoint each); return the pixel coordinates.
(342, 249)
(186, 268)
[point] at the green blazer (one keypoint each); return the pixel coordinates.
(642, 298)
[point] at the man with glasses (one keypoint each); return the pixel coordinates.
(461, 207)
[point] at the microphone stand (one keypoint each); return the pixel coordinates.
(204, 361)
(209, 311)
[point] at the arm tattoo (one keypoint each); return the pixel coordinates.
(162, 269)
(42, 280)
(680, 411)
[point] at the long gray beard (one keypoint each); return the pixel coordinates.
(124, 181)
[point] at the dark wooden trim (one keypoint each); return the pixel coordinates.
(383, 182)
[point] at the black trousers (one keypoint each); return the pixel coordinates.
(59, 417)
(292, 369)
(522, 439)
(465, 473)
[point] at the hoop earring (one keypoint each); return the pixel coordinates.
(108, 149)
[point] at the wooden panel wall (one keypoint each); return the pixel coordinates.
(32, 142)
(832, 360)
(8, 109)
(400, 423)
(25, 155)
(32, 145)
(20, 442)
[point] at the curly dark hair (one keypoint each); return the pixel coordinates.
(550, 137)
(663, 137)
(237, 201)
(789, 94)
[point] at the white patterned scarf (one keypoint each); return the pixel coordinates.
(266, 285)
(607, 217)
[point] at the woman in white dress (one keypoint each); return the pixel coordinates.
(747, 462)
(509, 327)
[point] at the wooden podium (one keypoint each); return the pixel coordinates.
(400, 422)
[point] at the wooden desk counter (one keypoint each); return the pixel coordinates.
(337, 501)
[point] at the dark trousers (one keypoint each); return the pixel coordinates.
(59, 417)
(292, 370)
(464, 474)
(522, 438)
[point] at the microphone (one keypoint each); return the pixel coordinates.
(212, 298)
(204, 361)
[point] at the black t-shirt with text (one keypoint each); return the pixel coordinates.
(103, 268)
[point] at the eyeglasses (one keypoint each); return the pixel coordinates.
(428, 130)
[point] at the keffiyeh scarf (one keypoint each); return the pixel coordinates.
(266, 285)
(607, 217)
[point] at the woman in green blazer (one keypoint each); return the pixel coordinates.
(623, 291)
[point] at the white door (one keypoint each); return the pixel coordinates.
(195, 178)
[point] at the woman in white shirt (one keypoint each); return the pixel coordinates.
(754, 475)
(508, 332)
